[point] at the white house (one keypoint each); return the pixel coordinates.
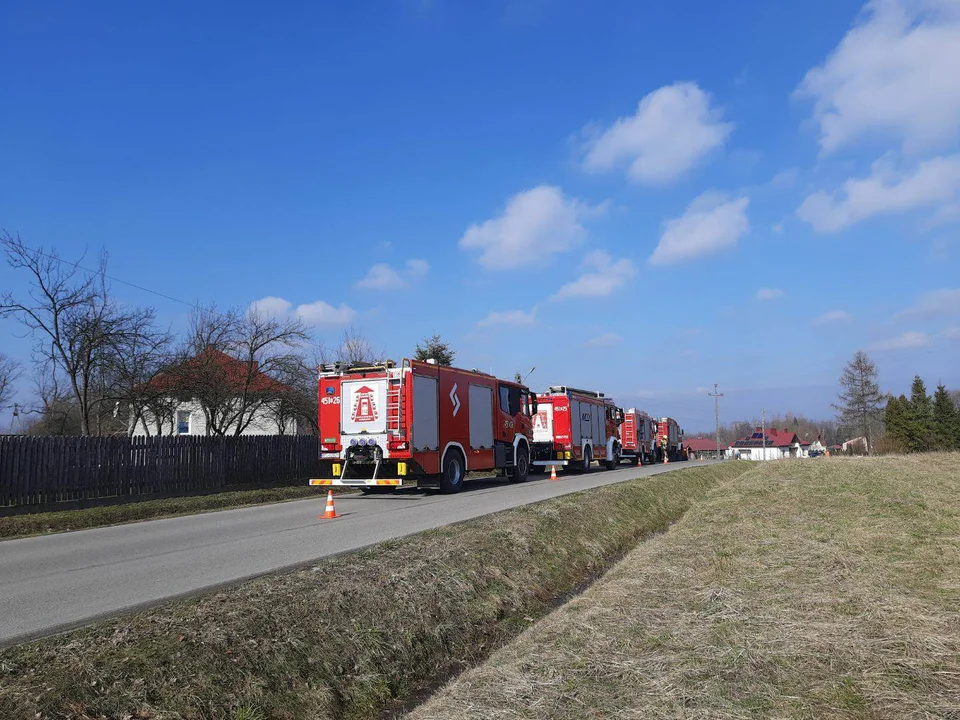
(266, 416)
(775, 445)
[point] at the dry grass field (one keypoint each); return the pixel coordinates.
(813, 589)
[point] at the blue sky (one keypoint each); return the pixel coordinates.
(644, 200)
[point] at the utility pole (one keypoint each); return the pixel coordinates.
(716, 395)
(763, 431)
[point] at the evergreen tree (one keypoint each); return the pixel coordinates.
(861, 402)
(946, 421)
(434, 348)
(919, 418)
(895, 418)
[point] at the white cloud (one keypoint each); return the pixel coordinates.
(535, 224)
(785, 178)
(514, 318)
(778, 228)
(608, 339)
(894, 74)
(321, 314)
(904, 342)
(673, 129)
(885, 190)
(603, 277)
(316, 314)
(769, 294)
(710, 223)
(270, 305)
(833, 317)
(952, 333)
(932, 304)
(383, 277)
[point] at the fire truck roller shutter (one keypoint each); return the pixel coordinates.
(577, 437)
(481, 417)
(599, 433)
(425, 435)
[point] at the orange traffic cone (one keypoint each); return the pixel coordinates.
(666, 458)
(329, 513)
(553, 472)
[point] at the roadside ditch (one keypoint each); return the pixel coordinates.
(362, 635)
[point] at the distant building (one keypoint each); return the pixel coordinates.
(776, 444)
(185, 416)
(702, 447)
(855, 446)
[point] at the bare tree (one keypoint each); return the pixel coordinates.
(295, 406)
(75, 324)
(136, 359)
(861, 402)
(353, 348)
(230, 365)
(9, 374)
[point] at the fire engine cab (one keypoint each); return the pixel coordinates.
(638, 437)
(575, 427)
(420, 424)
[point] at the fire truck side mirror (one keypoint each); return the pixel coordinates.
(533, 405)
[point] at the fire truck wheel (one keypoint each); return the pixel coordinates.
(451, 479)
(521, 470)
(587, 459)
(612, 464)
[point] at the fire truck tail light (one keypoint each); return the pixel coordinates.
(401, 468)
(567, 455)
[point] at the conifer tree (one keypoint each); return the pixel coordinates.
(946, 421)
(895, 418)
(919, 418)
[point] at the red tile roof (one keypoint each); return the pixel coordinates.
(701, 444)
(774, 438)
(213, 361)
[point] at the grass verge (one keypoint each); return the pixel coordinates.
(357, 636)
(15, 526)
(818, 589)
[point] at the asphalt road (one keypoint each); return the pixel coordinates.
(56, 582)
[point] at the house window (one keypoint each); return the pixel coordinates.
(183, 422)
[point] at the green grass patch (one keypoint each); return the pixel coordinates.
(802, 589)
(356, 636)
(15, 526)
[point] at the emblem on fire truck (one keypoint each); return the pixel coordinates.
(364, 408)
(455, 399)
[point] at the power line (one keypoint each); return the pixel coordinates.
(716, 395)
(78, 266)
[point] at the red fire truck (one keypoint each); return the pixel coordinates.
(669, 440)
(638, 437)
(575, 427)
(383, 427)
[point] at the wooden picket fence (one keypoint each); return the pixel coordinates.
(49, 470)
